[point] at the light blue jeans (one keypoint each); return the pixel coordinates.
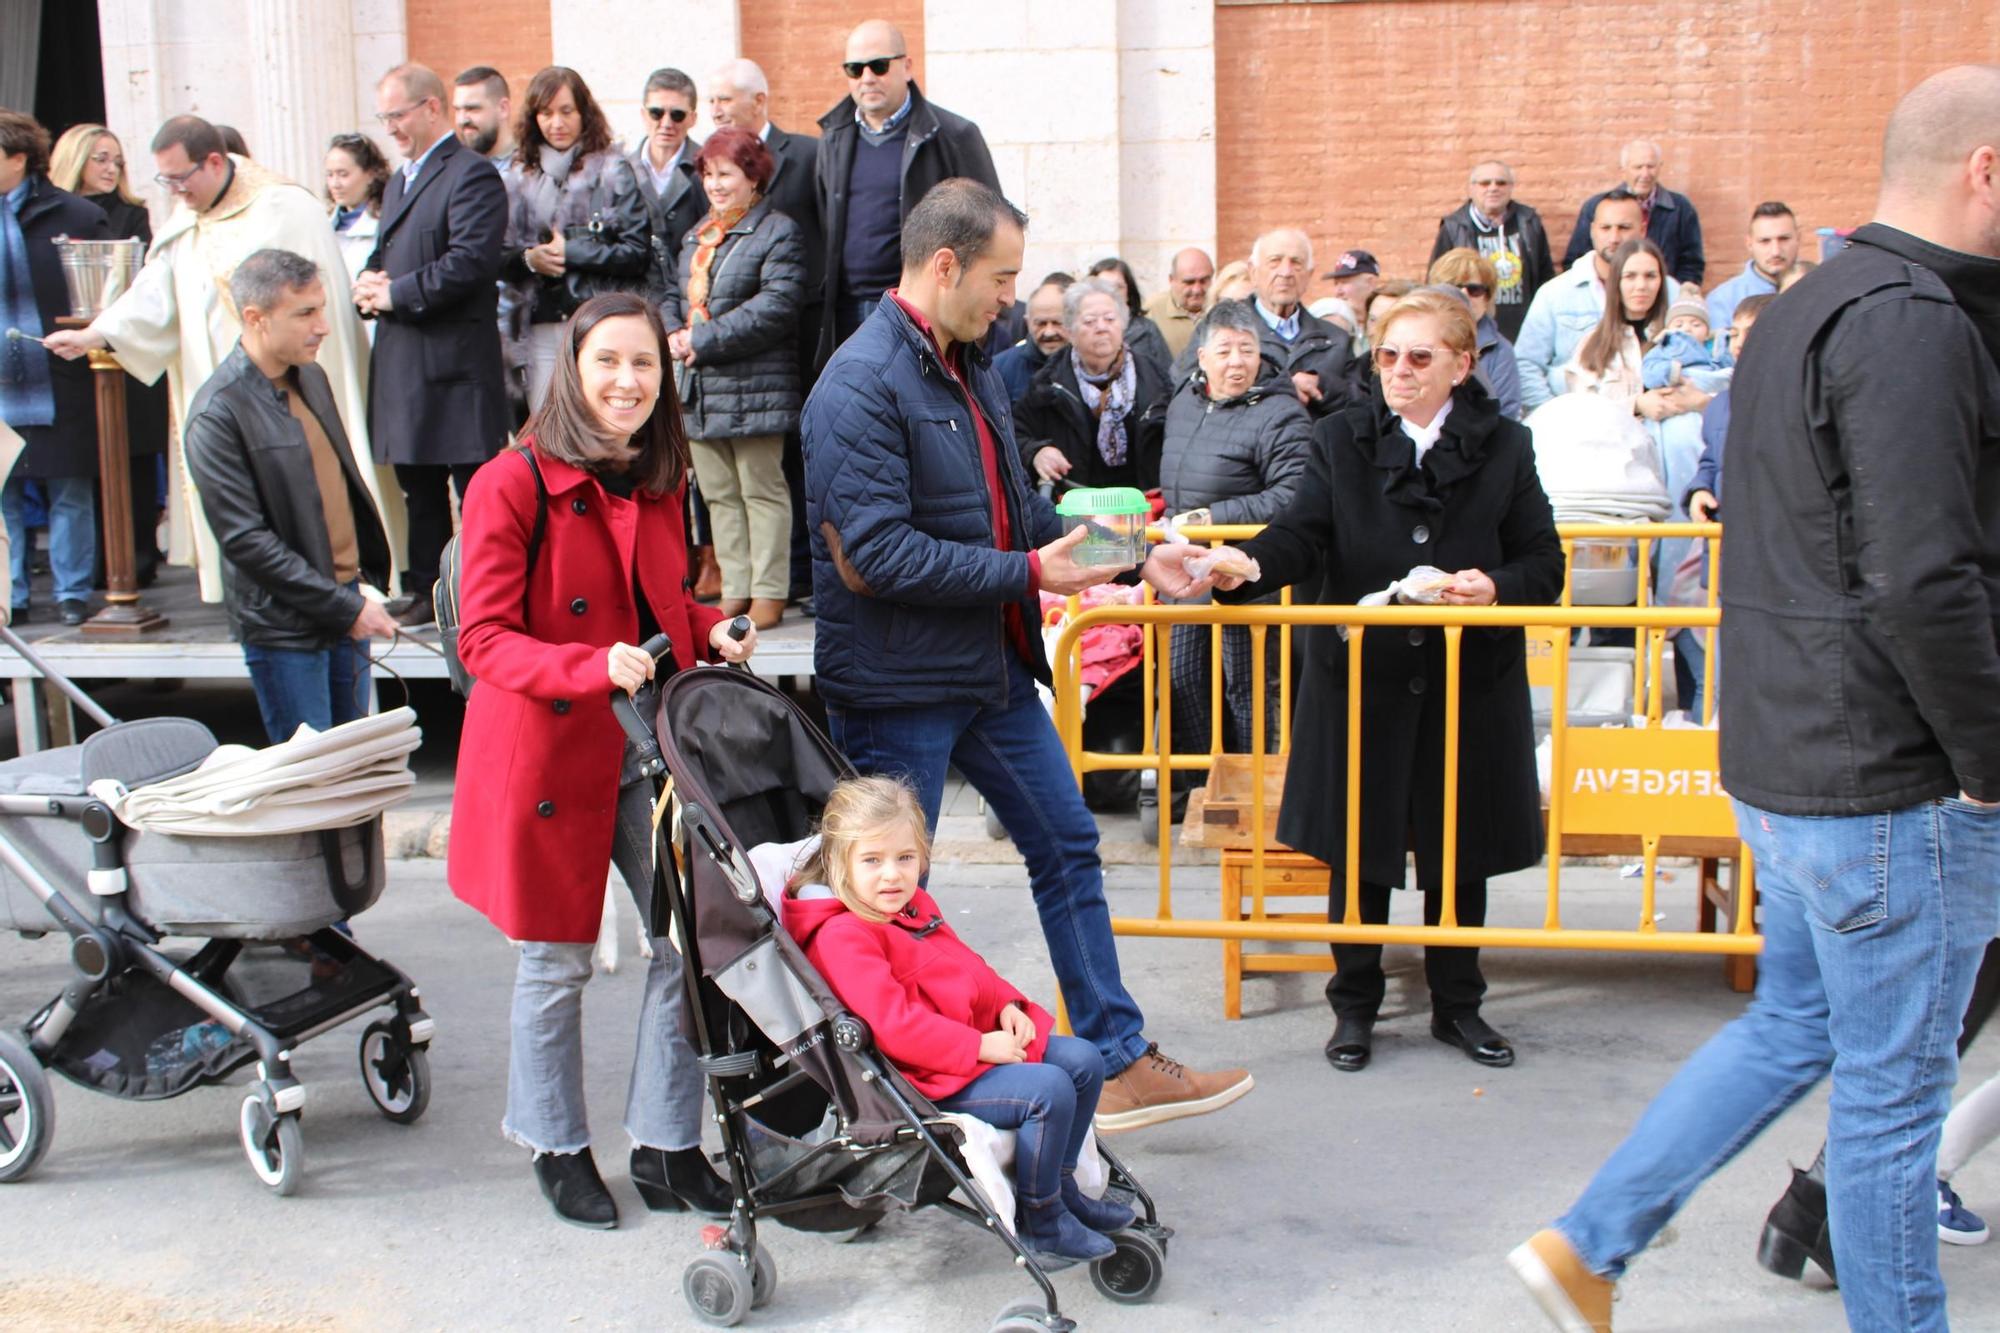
(545, 1107)
(72, 510)
(1874, 926)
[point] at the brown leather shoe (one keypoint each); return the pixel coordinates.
(1156, 1088)
(765, 612)
(1575, 1299)
(733, 606)
(707, 575)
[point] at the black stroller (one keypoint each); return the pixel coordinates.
(144, 1021)
(820, 1131)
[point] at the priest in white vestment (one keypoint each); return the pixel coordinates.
(177, 317)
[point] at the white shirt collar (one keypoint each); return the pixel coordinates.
(1425, 437)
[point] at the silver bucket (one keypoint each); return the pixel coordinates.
(98, 272)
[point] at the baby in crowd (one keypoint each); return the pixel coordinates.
(962, 1035)
(1683, 347)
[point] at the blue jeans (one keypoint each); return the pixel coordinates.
(545, 1103)
(319, 687)
(72, 511)
(1010, 753)
(1049, 1105)
(1874, 926)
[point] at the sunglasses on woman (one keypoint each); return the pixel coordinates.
(1475, 290)
(1420, 358)
(674, 113)
(878, 66)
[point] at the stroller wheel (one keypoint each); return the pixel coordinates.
(272, 1142)
(720, 1289)
(1132, 1273)
(763, 1277)
(27, 1110)
(1026, 1316)
(396, 1074)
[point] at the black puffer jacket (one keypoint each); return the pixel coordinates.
(745, 377)
(1052, 412)
(1321, 348)
(1238, 457)
(253, 471)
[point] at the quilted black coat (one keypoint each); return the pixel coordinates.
(745, 377)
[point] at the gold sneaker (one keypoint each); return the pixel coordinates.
(1575, 1299)
(1156, 1088)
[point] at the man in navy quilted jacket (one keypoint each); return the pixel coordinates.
(930, 549)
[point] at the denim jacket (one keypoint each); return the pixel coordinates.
(1561, 316)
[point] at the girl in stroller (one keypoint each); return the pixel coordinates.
(959, 1032)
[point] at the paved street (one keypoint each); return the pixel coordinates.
(1386, 1200)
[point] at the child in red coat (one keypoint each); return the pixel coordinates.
(961, 1034)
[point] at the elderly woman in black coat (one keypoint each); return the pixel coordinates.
(1428, 473)
(734, 316)
(1095, 412)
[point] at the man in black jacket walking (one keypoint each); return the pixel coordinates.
(881, 150)
(1860, 732)
(1508, 233)
(437, 389)
(277, 481)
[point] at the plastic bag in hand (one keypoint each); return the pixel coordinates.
(1422, 586)
(1222, 560)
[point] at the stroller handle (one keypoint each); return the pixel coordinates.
(625, 708)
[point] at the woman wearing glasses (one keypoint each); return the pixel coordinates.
(1428, 473)
(577, 225)
(88, 160)
(1472, 275)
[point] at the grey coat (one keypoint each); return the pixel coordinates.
(1238, 457)
(745, 377)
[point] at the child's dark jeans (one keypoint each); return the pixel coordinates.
(1049, 1105)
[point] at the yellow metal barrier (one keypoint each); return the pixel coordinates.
(1652, 786)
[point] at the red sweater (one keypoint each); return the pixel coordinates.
(928, 997)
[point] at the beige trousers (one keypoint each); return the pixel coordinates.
(749, 513)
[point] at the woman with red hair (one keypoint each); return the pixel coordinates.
(734, 315)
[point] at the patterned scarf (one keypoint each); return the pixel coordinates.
(27, 395)
(707, 241)
(1109, 398)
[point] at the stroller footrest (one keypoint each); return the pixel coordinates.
(742, 1064)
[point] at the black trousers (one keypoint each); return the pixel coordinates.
(428, 502)
(1456, 983)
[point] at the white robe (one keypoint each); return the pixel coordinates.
(178, 318)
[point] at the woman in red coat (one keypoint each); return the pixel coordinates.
(546, 792)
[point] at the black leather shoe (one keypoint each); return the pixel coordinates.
(1797, 1230)
(420, 611)
(1476, 1037)
(570, 1182)
(676, 1182)
(1351, 1045)
(73, 610)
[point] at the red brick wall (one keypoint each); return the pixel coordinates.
(800, 43)
(510, 35)
(1359, 121)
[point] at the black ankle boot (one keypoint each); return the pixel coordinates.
(573, 1188)
(1796, 1230)
(674, 1182)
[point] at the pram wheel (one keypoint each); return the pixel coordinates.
(396, 1074)
(1132, 1273)
(1027, 1316)
(27, 1110)
(720, 1289)
(763, 1278)
(273, 1143)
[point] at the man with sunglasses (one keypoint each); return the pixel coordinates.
(178, 318)
(881, 150)
(664, 164)
(1510, 236)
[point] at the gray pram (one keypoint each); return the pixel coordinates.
(266, 964)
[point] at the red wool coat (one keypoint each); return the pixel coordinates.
(928, 997)
(533, 808)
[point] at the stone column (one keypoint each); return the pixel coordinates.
(1166, 124)
(303, 78)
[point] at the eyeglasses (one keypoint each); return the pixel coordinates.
(1420, 358)
(179, 182)
(107, 160)
(878, 66)
(1497, 180)
(674, 113)
(1475, 290)
(396, 117)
